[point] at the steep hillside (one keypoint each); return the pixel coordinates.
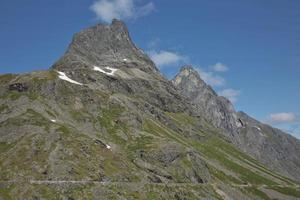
(103, 123)
(277, 150)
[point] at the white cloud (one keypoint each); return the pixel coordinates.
(285, 117)
(144, 10)
(230, 94)
(219, 67)
(210, 78)
(164, 58)
(107, 10)
(154, 43)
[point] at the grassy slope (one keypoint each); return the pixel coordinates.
(81, 158)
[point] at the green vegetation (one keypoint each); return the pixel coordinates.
(36, 119)
(13, 95)
(30, 117)
(182, 118)
(6, 78)
(109, 119)
(109, 114)
(160, 130)
(257, 192)
(221, 147)
(91, 160)
(50, 113)
(3, 108)
(25, 152)
(4, 146)
(211, 148)
(218, 149)
(5, 192)
(80, 156)
(144, 142)
(223, 177)
(46, 192)
(287, 190)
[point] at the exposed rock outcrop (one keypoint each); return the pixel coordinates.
(216, 109)
(102, 46)
(271, 146)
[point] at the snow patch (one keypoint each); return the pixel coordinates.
(64, 77)
(257, 128)
(108, 146)
(125, 59)
(111, 73)
(259, 131)
(53, 120)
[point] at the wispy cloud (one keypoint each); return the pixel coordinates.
(219, 67)
(286, 121)
(211, 78)
(106, 10)
(284, 117)
(144, 10)
(230, 94)
(166, 58)
(154, 43)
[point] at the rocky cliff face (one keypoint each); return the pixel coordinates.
(104, 123)
(216, 109)
(271, 146)
(104, 46)
(104, 57)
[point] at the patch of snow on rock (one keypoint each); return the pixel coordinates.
(257, 128)
(111, 73)
(64, 77)
(53, 120)
(259, 131)
(125, 59)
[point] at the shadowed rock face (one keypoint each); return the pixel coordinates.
(271, 146)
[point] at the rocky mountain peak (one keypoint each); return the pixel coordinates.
(216, 109)
(118, 24)
(104, 45)
(189, 80)
(189, 71)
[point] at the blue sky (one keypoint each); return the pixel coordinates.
(247, 50)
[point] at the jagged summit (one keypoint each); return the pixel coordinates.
(216, 109)
(104, 45)
(189, 75)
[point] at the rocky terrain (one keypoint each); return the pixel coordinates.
(103, 123)
(277, 150)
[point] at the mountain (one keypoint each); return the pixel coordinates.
(277, 150)
(217, 109)
(112, 47)
(103, 123)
